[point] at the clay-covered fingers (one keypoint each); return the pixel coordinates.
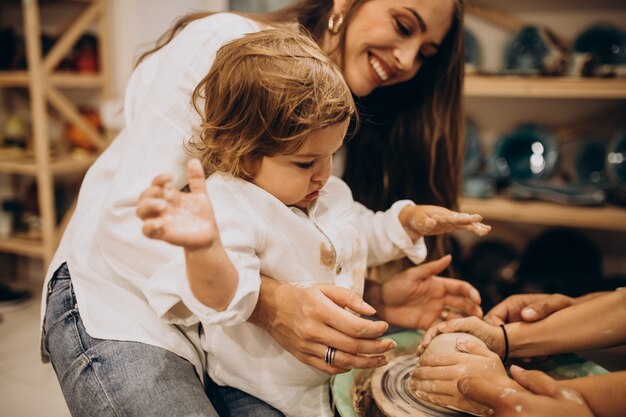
(478, 228)
(537, 395)
(150, 207)
(472, 325)
(439, 386)
(196, 177)
(427, 382)
(537, 382)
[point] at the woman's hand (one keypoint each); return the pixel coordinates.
(435, 378)
(491, 335)
(420, 221)
(306, 321)
(543, 398)
(416, 298)
(527, 307)
(183, 219)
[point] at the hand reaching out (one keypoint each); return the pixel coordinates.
(419, 220)
(416, 298)
(179, 218)
(527, 307)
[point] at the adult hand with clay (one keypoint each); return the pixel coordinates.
(438, 371)
(541, 396)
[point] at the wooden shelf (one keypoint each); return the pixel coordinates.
(59, 79)
(535, 212)
(58, 166)
(20, 246)
(545, 87)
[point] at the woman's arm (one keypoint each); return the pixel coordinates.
(597, 323)
(605, 394)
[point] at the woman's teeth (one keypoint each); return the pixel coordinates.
(379, 69)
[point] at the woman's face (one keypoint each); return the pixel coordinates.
(387, 41)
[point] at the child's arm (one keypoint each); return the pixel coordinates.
(419, 220)
(187, 220)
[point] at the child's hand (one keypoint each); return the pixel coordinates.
(179, 218)
(435, 377)
(488, 333)
(421, 220)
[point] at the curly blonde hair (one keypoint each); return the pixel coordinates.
(264, 94)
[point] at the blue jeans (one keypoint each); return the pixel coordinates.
(117, 378)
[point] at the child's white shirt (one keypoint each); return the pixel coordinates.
(334, 244)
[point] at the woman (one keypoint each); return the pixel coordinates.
(112, 354)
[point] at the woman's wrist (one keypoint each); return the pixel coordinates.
(266, 304)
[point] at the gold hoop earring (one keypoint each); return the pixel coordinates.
(334, 22)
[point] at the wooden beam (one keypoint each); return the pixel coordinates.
(65, 43)
(69, 111)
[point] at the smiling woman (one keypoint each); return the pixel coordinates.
(406, 74)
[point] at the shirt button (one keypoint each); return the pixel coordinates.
(339, 269)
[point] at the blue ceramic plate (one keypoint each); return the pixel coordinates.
(562, 367)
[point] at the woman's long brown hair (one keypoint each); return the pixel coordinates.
(410, 141)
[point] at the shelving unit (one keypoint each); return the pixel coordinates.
(496, 87)
(537, 212)
(44, 87)
(545, 87)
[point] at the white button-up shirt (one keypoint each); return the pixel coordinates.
(334, 243)
(109, 259)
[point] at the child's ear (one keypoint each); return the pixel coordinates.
(250, 166)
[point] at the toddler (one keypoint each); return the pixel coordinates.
(279, 112)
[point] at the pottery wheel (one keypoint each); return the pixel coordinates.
(390, 389)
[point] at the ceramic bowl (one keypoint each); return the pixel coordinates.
(529, 152)
(605, 42)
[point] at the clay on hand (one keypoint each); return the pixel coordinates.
(444, 344)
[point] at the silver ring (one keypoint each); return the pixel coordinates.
(329, 358)
(444, 314)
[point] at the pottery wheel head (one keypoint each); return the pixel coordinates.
(390, 389)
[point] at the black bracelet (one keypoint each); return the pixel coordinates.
(506, 344)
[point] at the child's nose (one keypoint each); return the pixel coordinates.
(323, 171)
